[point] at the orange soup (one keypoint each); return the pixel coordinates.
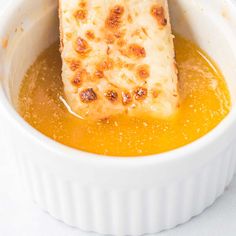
(205, 101)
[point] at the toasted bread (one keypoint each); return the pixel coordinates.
(118, 57)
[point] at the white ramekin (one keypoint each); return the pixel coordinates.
(119, 196)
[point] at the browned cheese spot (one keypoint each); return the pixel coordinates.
(158, 13)
(113, 21)
(111, 95)
(90, 35)
(83, 4)
(121, 42)
(82, 47)
(118, 34)
(78, 78)
(126, 98)
(73, 64)
(80, 14)
(140, 93)
(99, 74)
(102, 67)
(143, 72)
(106, 65)
(136, 51)
(88, 95)
(110, 39)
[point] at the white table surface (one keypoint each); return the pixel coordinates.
(19, 216)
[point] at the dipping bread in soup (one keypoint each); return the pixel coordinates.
(204, 102)
(166, 149)
(119, 93)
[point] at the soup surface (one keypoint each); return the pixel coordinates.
(205, 101)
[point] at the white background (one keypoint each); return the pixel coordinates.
(19, 216)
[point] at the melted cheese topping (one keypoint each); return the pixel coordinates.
(204, 102)
(118, 57)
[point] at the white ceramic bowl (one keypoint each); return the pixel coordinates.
(114, 195)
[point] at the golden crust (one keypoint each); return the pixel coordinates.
(116, 59)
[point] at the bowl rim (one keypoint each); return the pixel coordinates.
(69, 152)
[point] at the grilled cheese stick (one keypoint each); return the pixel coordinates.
(118, 57)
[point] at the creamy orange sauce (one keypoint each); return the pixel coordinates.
(205, 101)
